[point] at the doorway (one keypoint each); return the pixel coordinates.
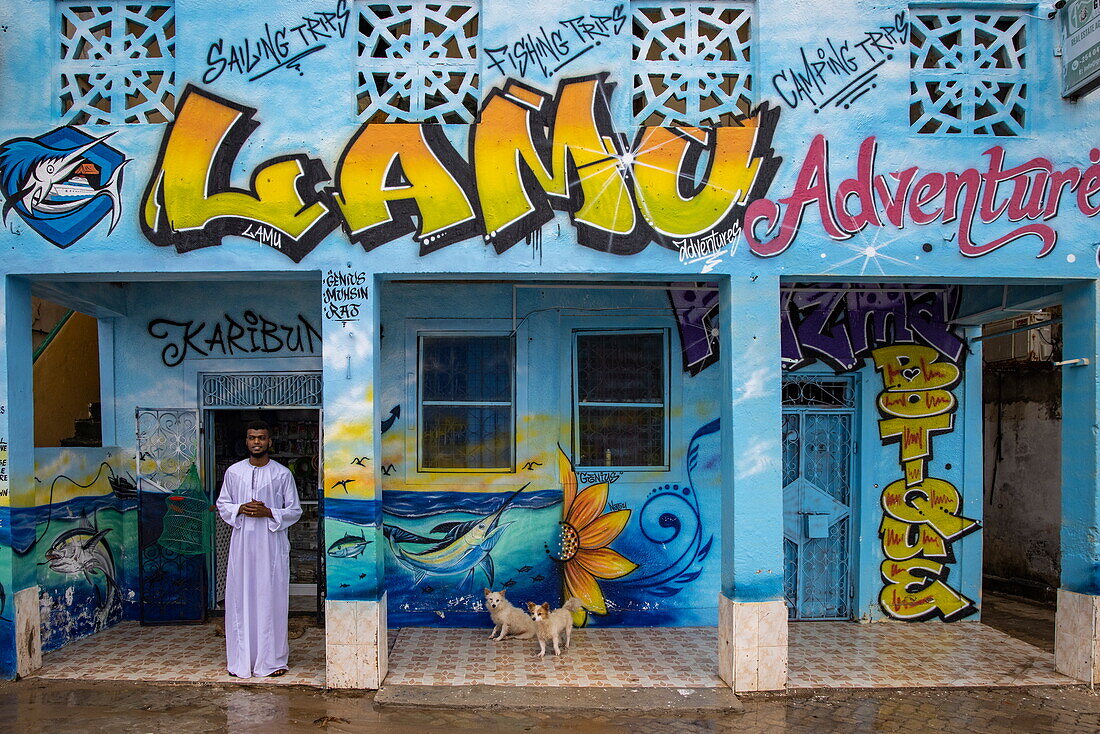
(295, 433)
(818, 450)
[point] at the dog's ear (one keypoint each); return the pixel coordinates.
(530, 606)
(546, 607)
(488, 591)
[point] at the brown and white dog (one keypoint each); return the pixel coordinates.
(507, 618)
(549, 625)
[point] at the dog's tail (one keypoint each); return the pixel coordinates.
(573, 604)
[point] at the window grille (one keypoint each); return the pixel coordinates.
(814, 391)
(417, 61)
(692, 62)
(620, 389)
(466, 402)
(968, 71)
(261, 390)
(117, 62)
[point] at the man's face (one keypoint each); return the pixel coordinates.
(258, 442)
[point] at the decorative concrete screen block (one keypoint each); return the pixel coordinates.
(968, 71)
(692, 62)
(28, 636)
(418, 61)
(117, 61)
(752, 644)
(355, 642)
(1077, 636)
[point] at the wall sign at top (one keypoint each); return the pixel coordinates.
(542, 52)
(1079, 26)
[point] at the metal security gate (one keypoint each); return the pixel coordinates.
(818, 451)
(174, 517)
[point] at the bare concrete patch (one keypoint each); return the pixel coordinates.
(636, 700)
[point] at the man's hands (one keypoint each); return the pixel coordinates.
(255, 508)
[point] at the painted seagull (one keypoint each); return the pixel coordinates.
(463, 547)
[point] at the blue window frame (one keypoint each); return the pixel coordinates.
(466, 402)
(620, 398)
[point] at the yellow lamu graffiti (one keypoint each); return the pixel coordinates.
(921, 514)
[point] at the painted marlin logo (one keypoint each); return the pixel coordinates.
(463, 548)
(62, 183)
(84, 551)
(349, 546)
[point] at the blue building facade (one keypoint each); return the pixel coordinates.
(669, 305)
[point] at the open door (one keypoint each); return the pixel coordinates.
(174, 517)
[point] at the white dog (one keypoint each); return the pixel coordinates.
(550, 625)
(507, 618)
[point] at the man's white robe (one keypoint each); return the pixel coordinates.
(257, 579)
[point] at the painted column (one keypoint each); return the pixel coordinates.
(20, 639)
(1076, 641)
(752, 616)
(355, 610)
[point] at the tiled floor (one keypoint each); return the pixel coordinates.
(683, 657)
(900, 655)
(821, 655)
(174, 654)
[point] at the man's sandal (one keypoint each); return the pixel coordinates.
(278, 673)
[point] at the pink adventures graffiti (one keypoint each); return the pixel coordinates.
(1032, 191)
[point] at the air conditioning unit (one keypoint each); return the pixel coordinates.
(1034, 344)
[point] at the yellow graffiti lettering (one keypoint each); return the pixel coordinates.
(664, 172)
(581, 158)
(902, 541)
(914, 436)
(390, 172)
(909, 367)
(190, 202)
(934, 502)
(913, 590)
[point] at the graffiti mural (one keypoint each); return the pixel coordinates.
(62, 184)
(837, 72)
(696, 309)
(841, 325)
(281, 47)
(83, 515)
(1035, 189)
(525, 160)
(921, 514)
(252, 334)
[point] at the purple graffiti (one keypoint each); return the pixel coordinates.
(840, 326)
(696, 309)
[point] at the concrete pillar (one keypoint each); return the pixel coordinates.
(20, 639)
(1077, 623)
(355, 607)
(752, 616)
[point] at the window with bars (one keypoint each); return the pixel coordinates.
(417, 61)
(117, 61)
(466, 402)
(968, 71)
(692, 62)
(620, 393)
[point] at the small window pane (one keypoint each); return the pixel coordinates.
(469, 369)
(621, 436)
(620, 368)
(467, 437)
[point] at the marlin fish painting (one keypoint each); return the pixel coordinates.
(62, 183)
(84, 550)
(463, 547)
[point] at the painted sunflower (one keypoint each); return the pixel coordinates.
(586, 531)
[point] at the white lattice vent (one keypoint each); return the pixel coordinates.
(968, 71)
(692, 62)
(117, 62)
(417, 61)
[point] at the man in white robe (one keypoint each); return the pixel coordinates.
(259, 499)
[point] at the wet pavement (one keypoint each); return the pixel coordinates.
(36, 705)
(33, 706)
